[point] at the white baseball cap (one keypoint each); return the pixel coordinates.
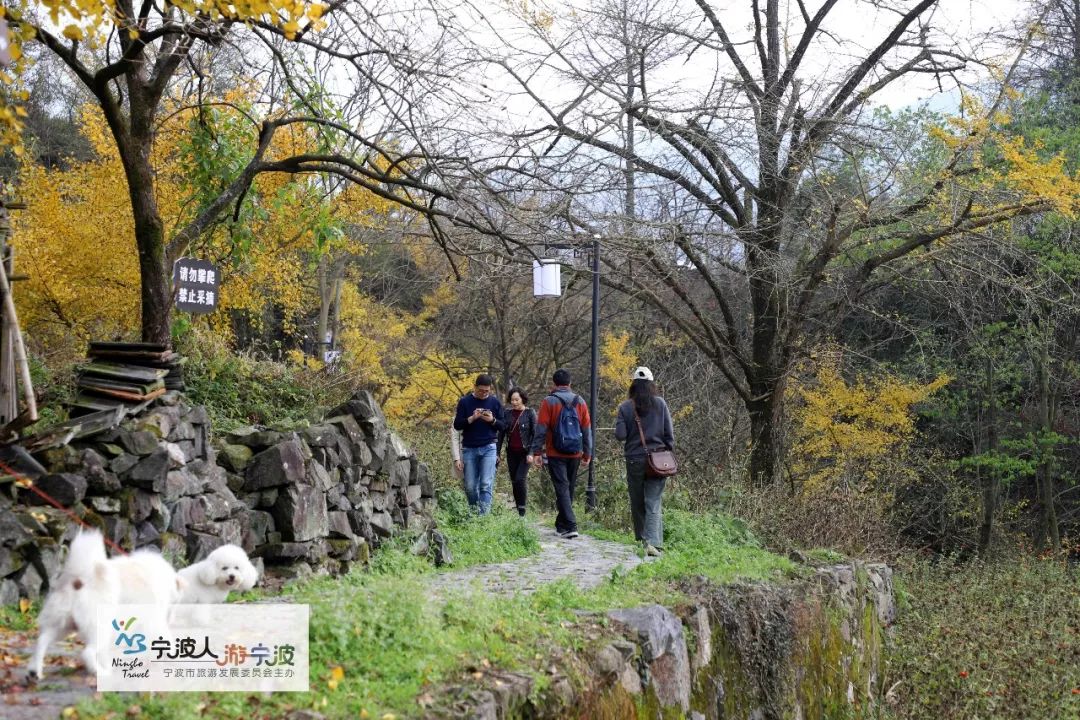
(642, 373)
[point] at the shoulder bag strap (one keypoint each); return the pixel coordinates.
(641, 432)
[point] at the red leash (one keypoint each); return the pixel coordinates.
(23, 481)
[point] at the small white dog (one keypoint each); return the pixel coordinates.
(211, 580)
(89, 578)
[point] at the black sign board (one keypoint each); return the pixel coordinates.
(195, 285)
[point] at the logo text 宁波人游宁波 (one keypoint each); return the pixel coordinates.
(219, 647)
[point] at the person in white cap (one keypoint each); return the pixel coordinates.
(645, 492)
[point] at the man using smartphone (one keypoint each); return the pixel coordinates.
(478, 418)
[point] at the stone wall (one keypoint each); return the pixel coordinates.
(806, 650)
(302, 500)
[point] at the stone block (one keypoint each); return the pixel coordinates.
(361, 453)
(320, 435)
(663, 648)
(200, 545)
(120, 530)
(235, 457)
(344, 450)
(318, 476)
(138, 442)
(255, 438)
(185, 430)
(282, 464)
(399, 473)
(382, 524)
(230, 531)
(9, 592)
(399, 450)
(104, 505)
(182, 483)
(186, 512)
(151, 472)
(365, 410)
(339, 525)
(282, 551)
(66, 488)
(259, 525)
(99, 480)
(121, 464)
(147, 535)
(300, 513)
(11, 560)
(425, 481)
(198, 415)
(347, 426)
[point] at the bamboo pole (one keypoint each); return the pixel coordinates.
(9, 404)
(11, 319)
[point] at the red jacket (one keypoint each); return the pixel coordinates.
(548, 416)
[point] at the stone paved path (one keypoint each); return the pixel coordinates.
(64, 685)
(584, 560)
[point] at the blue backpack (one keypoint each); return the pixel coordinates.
(566, 435)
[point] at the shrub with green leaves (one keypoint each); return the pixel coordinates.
(995, 641)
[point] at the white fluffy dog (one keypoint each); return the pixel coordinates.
(211, 580)
(89, 578)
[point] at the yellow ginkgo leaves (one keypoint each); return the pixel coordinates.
(337, 674)
(844, 431)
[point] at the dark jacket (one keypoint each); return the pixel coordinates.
(527, 425)
(656, 424)
(480, 432)
(548, 416)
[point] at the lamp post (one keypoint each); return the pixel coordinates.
(547, 282)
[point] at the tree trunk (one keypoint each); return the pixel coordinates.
(989, 481)
(335, 325)
(150, 240)
(326, 288)
(765, 438)
(1044, 476)
(767, 378)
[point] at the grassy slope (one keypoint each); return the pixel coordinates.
(393, 644)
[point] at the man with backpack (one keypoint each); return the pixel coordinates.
(564, 433)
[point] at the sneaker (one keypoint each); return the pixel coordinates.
(653, 551)
(568, 535)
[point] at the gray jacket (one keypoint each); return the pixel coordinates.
(659, 433)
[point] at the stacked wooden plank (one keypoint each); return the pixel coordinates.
(125, 374)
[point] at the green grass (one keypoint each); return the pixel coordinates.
(244, 388)
(12, 618)
(395, 644)
(995, 641)
(497, 537)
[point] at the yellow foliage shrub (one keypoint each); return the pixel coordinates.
(617, 361)
(845, 432)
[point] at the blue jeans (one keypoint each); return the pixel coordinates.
(479, 476)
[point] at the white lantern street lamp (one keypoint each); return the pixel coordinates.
(547, 278)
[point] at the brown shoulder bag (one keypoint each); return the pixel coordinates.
(658, 463)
